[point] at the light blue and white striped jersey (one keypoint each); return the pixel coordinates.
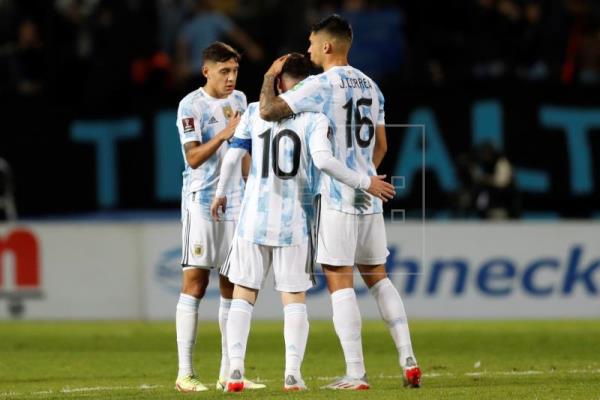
(280, 190)
(199, 118)
(354, 105)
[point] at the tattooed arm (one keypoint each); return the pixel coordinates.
(273, 107)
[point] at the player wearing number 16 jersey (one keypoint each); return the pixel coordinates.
(351, 230)
(274, 229)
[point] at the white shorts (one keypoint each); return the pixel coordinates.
(346, 239)
(204, 243)
(248, 265)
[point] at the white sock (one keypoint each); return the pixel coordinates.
(238, 329)
(392, 311)
(186, 323)
(347, 323)
(295, 333)
(224, 307)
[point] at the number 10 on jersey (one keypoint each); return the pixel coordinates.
(274, 147)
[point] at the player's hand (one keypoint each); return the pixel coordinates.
(277, 66)
(229, 130)
(380, 188)
(218, 202)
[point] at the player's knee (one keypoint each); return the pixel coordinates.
(372, 280)
(196, 288)
(372, 275)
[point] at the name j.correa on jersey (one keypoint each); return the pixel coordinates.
(355, 83)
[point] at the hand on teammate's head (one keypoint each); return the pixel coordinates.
(277, 65)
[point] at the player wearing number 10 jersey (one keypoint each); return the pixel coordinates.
(351, 230)
(274, 226)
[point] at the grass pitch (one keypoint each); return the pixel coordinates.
(460, 360)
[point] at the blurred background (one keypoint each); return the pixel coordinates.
(504, 92)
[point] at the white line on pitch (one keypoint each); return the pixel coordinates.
(83, 389)
(319, 378)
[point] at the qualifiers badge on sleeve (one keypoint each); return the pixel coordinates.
(188, 125)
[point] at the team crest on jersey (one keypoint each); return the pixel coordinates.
(198, 249)
(227, 111)
(188, 125)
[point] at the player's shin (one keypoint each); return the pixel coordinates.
(238, 329)
(295, 334)
(224, 307)
(186, 321)
(347, 323)
(391, 309)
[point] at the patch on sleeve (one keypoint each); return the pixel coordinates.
(188, 125)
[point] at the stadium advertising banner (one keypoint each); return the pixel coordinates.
(133, 161)
(466, 270)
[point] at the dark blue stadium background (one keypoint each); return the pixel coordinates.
(471, 71)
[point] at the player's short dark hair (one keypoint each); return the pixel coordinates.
(296, 66)
(220, 52)
(334, 25)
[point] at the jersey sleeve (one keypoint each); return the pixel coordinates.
(188, 123)
(318, 134)
(244, 129)
(381, 112)
(243, 101)
(308, 95)
(230, 163)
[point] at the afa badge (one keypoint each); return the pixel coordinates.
(198, 249)
(227, 111)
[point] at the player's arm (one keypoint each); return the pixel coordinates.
(246, 164)
(375, 185)
(197, 153)
(323, 158)
(231, 163)
(273, 107)
(380, 145)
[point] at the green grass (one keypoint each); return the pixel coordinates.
(137, 360)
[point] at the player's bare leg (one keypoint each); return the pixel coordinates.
(391, 309)
(238, 329)
(347, 323)
(194, 283)
(295, 333)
